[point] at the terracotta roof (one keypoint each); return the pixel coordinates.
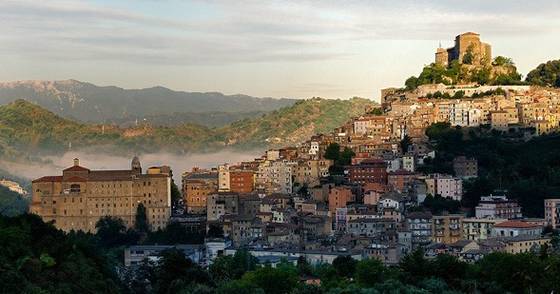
(515, 224)
(76, 168)
(48, 179)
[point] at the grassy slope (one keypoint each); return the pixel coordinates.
(26, 128)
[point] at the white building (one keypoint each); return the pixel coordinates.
(314, 148)
(446, 186)
(552, 212)
(514, 228)
(223, 178)
(497, 206)
(409, 163)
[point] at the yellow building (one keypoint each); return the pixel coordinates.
(78, 198)
(447, 229)
(523, 244)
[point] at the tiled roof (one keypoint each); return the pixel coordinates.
(516, 224)
(48, 179)
(76, 168)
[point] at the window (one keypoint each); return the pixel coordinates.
(75, 188)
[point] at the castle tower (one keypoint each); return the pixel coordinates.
(135, 165)
(442, 58)
(466, 42)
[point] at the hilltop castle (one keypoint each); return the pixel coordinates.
(467, 42)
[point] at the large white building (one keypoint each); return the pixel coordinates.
(497, 206)
(446, 186)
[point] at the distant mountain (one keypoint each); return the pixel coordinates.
(90, 103)
(26, 128)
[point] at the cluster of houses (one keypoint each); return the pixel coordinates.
(287, 203)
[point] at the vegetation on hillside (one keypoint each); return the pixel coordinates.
(37, 258)
(528, 170)
(546, 74)
(11, 203)
(292, 124)
(27, 128)
(502, 71)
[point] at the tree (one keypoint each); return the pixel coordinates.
(273, 280)
(405, 143)
(304, 268)
(345, 157)
(112, 232)
(175, 272)
(141, 220)
(215, 231)
(36, 257)
(411, 83)
(333, 152)
(438, 204)
(345, 266)
(468, 58)
(546, 74)
(175, 193)
(459, 95)
(503, 61)
(415, 267)
(369, 272)
(376, 111)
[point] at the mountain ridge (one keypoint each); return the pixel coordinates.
(88, 102)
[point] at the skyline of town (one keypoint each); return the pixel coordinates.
(192, 146)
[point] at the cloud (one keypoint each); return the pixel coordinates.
(247, 31)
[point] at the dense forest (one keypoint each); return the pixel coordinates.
(37, 258)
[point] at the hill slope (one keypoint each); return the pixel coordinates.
(26, 128)
(90, 103)
(294, 124)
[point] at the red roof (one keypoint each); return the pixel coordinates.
(515, 224)
(48, 179)
(76, 168)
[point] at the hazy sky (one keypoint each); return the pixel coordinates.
(300, 49)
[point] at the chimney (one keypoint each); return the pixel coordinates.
(76, 162)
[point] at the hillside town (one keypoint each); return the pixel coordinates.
(358, 191)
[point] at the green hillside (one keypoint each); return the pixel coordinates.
(26, 128)
(294, 124)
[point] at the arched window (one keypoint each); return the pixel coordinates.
(75, 188)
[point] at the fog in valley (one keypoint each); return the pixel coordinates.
(179, 163)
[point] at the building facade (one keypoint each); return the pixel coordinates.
(78, 198)
(552, 212)
(497, 206)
